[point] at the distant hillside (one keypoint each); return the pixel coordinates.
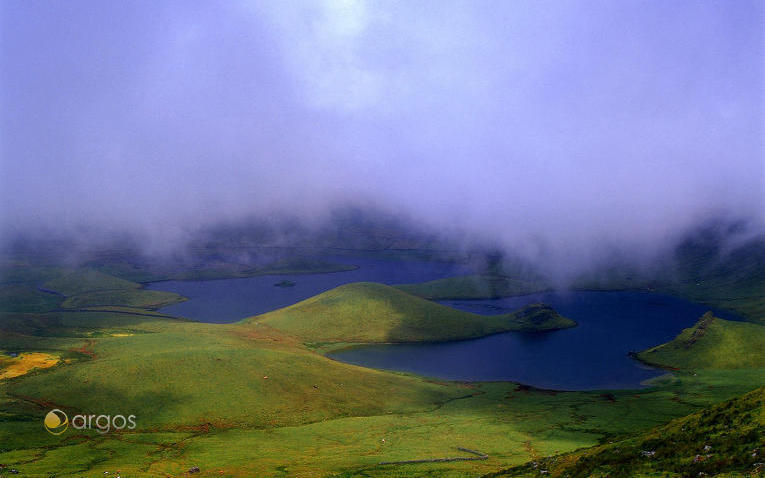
(87, 280)
(728, 273)
(87, 288)
(368, 312)
(712, 343)
(478, 286)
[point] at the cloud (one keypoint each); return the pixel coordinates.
(543, 126)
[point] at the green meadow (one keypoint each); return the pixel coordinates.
(259, 398)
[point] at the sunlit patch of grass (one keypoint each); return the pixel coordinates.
(712, 343)
(11, 367)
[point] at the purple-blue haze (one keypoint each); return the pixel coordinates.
(554, 128)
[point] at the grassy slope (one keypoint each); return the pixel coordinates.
(194, 374)
(727, 438)
(215, 410)
(90, 288)
(712, 343)
(25, 298)
(478, 286)
(87, 280)
(368, 312)
(138, 298)
(178, 377)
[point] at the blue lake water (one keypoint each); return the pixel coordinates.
(592, 355)
(229, 300)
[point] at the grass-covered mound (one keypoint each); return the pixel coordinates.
(88, 288)
(87, 280)
(723, 440)
(476, 286)
(712, 343)
(367, 312)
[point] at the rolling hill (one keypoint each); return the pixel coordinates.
(711, 343)
(369, 312)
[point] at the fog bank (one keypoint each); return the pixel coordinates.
(554, 129)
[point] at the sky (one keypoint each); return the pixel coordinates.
(570, 124)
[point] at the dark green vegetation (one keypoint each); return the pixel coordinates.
(227, 270)
(258, 398)
(728, 438)
(87, 280)
(20, 298)
(300, 266)
(479, 286)
(367, 313)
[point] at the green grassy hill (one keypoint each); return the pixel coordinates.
(368, 312)
(87, 280)
(88, 288)
(724, 440)
(477, 286)
(712, 343)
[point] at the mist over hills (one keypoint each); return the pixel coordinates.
(716, 248)
(555, 132)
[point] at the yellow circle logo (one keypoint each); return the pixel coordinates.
(56, 422)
